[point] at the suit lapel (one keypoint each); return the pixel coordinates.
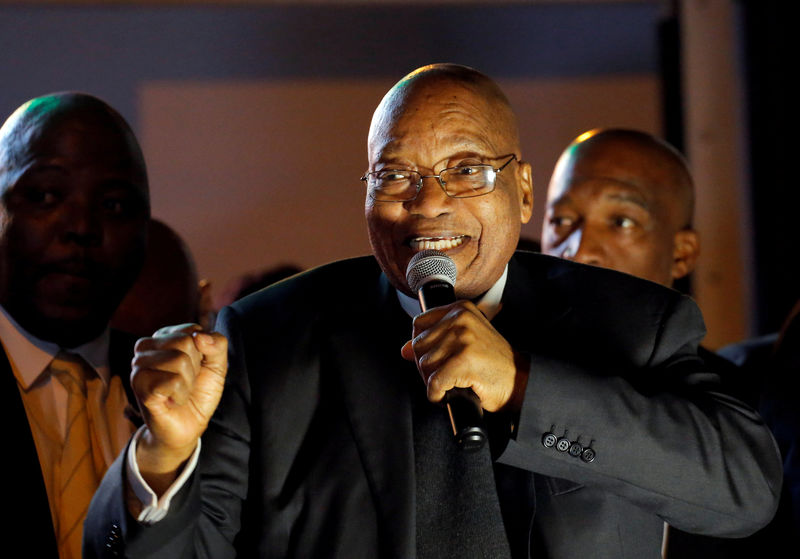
(365, 349)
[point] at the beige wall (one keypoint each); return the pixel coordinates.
(259, 173)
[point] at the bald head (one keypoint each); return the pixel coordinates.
(622, 199)
(441, 117)
(25, 128)
(74, 206)
(642, 160)
(480, 93)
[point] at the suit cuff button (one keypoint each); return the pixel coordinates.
(549, 440)
(588, 455)
(563, 444)
(575, 449)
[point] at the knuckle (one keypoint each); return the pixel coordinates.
(436, 383)
(143, 344)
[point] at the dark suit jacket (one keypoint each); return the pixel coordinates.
(30, 521)
(310, 453)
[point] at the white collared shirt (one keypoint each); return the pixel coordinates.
(29, 358)
(489, 302)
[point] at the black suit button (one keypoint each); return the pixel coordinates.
(549, 440)
(563, 444)
(588, 455)
(575, 449)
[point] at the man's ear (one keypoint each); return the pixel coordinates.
(686, 249)
(525, 184)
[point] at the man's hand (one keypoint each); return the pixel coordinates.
(177, 376)
(456, 346)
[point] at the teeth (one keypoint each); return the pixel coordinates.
(428, 243)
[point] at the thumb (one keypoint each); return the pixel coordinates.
(214, 347)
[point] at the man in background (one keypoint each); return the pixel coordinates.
(167, 290)
(624, 199)
(74, 207)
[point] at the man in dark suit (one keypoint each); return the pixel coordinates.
(73, 212)
(602, 421)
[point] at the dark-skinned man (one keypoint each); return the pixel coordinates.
(624, 199)
(74, 207)
(326, 443)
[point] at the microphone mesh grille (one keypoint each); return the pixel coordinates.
(428, 265)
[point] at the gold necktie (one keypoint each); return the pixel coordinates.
(77, 478)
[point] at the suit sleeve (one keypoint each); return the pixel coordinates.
(204, 517)
(661, 436)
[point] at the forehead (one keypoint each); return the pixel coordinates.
(436, 121)
(77, 141)
(613, 165)
(589, 192)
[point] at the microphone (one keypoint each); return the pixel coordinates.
(431, 274)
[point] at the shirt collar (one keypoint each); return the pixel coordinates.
(29, 356)
(488, 303)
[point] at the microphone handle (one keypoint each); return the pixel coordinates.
(463, 405)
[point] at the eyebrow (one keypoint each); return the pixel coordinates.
(390, 162)
(623, 197)
(628, 198)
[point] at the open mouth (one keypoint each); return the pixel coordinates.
(436, 243)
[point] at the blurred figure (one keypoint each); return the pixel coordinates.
(166, 291)
(779, 355)
(780, 411)
(74, 208)
(623, 199)
(248, 283)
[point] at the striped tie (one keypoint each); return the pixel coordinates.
(77, 477)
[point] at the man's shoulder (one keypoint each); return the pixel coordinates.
(580, 280)
(319, 287)
(606, 311)
(751, 352)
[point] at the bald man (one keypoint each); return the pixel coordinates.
(330, 438)
(74, 207)
(622, 199)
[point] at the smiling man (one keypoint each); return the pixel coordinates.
(73, 214)
(601, 419)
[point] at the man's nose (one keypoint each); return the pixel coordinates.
(82, 223)
(431, 200)
(582, 246)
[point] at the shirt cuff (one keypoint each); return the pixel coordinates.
(153, 508)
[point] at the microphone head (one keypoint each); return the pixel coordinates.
(430, 265)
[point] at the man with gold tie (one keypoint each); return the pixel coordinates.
(74, 207)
